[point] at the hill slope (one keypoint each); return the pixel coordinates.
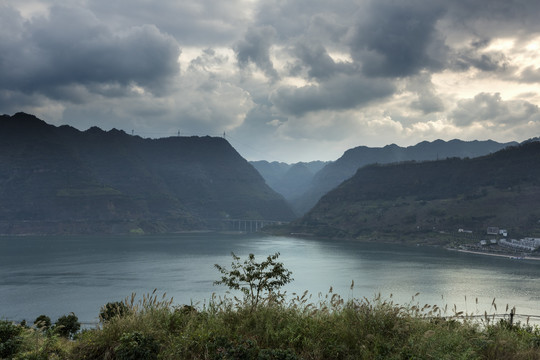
(414, 198)
(334, 173)
(59, 179)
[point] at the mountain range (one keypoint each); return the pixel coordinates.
(59, 180)
(415, 199)
(305, 186)
(62, 180)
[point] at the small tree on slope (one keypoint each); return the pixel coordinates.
(257, 281)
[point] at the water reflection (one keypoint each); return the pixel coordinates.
(57, 275)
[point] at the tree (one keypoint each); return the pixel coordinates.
(112, 310)
(43, 322)
(10, 339)
(67, 325)
(257, 281)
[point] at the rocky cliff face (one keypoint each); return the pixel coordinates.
(59, 179)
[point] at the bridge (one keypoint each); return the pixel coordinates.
(242, 225)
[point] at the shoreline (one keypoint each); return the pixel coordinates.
(506, 256)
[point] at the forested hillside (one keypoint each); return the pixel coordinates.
(343, 168)
(416, 198)
(62, 180)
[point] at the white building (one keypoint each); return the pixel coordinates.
(527, 244)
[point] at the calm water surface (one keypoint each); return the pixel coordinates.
(59, 275)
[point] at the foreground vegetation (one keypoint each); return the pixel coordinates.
(266, 325)
(331, 329)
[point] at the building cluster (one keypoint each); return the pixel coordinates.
(501, 241)
(526, 244)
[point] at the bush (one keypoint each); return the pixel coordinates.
(112, 310)
(258, 281)
(43, 322)
(277, 354)
(10, 339)
(67, 325)
(137, 346)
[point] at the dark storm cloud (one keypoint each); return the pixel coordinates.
(475, 56)
(491, 108)
(255, 48)
(397, 39)
(338, 93)
(492, 18)
(321, 19)
(329, 63)
(54, 55)
(192, 23)
(319, 63)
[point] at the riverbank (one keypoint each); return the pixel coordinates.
(506, 256)
(441, 240)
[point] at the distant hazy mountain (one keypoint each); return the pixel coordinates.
(272, 172)
(289, 180)
(61, 180)
(417, 198)
(336, 172)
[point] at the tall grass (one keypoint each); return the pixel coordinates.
(301, 326)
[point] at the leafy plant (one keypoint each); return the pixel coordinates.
(10, 339)
(137, 346)
(257, 281)
(112, 310)
(67, 325)
(43, 322)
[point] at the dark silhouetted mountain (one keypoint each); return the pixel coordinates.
(336, 172)
(411, 198)
(59, 179)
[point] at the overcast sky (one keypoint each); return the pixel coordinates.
(286, 80)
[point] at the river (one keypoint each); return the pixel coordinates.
(58, 275)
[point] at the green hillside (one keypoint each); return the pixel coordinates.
(346, 166)
(415, 200)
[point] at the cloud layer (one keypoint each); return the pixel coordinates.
(288, 80)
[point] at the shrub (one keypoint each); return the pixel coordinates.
(67, 325)
(10, 339)
(258, 281)
(137, 346)
(112, 310)
(43, 322)
(277, 354)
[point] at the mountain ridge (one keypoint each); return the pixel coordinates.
(331, 175)
(96, 180)
(415, 199)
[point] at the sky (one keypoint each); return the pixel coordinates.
(284, 80)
